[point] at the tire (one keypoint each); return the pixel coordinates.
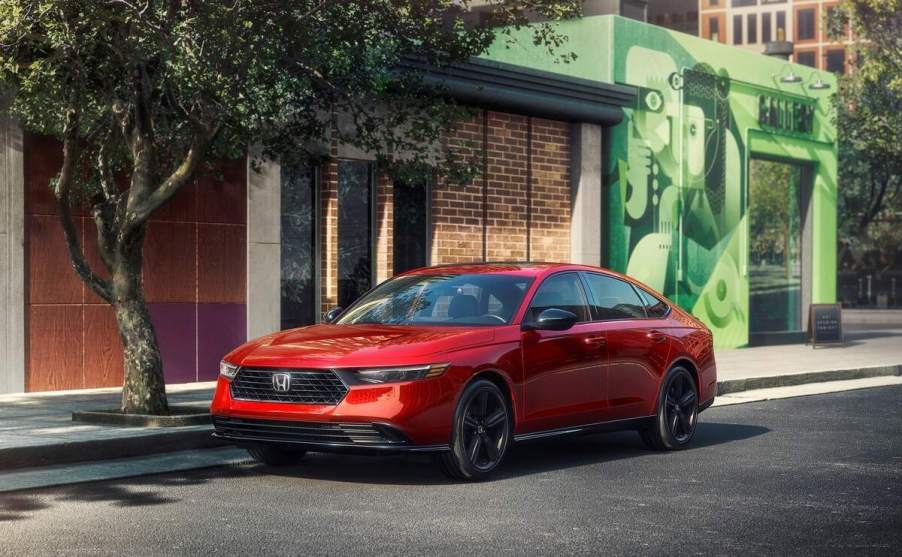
(481, 433)
(275, 456)
(677, 415)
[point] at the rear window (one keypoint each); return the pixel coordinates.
(653, 306)
(613, 298)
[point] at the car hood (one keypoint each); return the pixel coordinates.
(357, 345)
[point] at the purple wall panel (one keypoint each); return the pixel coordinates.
(177, 334)
(221, 328)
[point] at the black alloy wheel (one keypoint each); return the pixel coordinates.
(677, 415)
(481, 433)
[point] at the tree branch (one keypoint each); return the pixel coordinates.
(100, 286)
(141, 211)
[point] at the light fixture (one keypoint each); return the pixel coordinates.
(818, 85)
(791, 77)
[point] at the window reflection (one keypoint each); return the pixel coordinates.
(354, 230)
(298, 235)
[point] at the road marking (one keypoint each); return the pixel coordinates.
(807, 389)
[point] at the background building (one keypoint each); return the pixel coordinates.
(654, 153)
(753, 23)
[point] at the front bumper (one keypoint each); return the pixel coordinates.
(355, 437)
(389, 417)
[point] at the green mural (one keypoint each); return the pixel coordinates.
(676, 178)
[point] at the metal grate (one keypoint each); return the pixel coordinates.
(306, 386)
(304, 432)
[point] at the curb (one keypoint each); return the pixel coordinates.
(199, 437)
(768, 382)
(182, 415)
(103, 449)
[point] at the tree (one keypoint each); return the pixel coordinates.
(145, 93)
(869, 115)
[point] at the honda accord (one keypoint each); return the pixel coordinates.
(463, 361)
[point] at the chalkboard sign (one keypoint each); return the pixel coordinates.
(825, 324)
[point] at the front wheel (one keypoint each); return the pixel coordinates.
(481, 433)
(276, 456)
(674, 424)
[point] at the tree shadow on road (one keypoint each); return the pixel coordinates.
(524, 459)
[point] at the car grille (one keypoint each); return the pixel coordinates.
(306, 386)
(306, 432)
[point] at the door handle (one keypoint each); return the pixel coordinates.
(596, 342)
(656, 336)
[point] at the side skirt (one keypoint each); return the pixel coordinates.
(598, 427)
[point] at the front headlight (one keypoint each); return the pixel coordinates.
(227, 370)
(399, 374)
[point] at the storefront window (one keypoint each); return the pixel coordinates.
(411, 226)
(298, 257)
(807, 58)
(765, 27)
(737, 29)
(355, 261)
(753, 28)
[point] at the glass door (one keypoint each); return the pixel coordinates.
(775, 247)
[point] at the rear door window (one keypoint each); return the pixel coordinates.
(613, 298)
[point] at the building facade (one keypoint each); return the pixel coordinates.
(753, 23)
(648, 155)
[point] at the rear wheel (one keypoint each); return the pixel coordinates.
(481, 433)
(276, 456)
(674, 424)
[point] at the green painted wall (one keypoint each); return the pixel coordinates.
(676, 168)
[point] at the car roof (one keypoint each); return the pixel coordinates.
(523, 268)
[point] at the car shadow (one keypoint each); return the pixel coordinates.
(524, 459)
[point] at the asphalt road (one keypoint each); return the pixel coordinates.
(812, 475)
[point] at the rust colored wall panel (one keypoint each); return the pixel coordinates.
(55, 348)
(51, 279)
(182, 207)
(43, 159)
(222, 273)
(221, 196)
(170, 270)
(103, 350)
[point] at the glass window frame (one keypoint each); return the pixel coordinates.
(751, 28)
(639, 290)
(373, 172)
(798, 24)
(841, 51)
(316, 170)
(582, 285)
(427, 258)
(738, 37)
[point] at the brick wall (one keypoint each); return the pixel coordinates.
(457, 211)
(194, 277)
(550, 218)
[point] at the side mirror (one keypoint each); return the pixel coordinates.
(332, 314)
(552, 319)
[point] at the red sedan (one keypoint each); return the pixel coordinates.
(464, 360)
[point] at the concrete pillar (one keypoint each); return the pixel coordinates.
(12, 257)
(585, 199)
(264, 246)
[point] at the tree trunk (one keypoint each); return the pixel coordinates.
(144, 390)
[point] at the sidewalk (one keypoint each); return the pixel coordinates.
(36, 429)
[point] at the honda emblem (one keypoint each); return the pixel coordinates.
(281, 382)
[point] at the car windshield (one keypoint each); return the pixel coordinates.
(463, 299)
